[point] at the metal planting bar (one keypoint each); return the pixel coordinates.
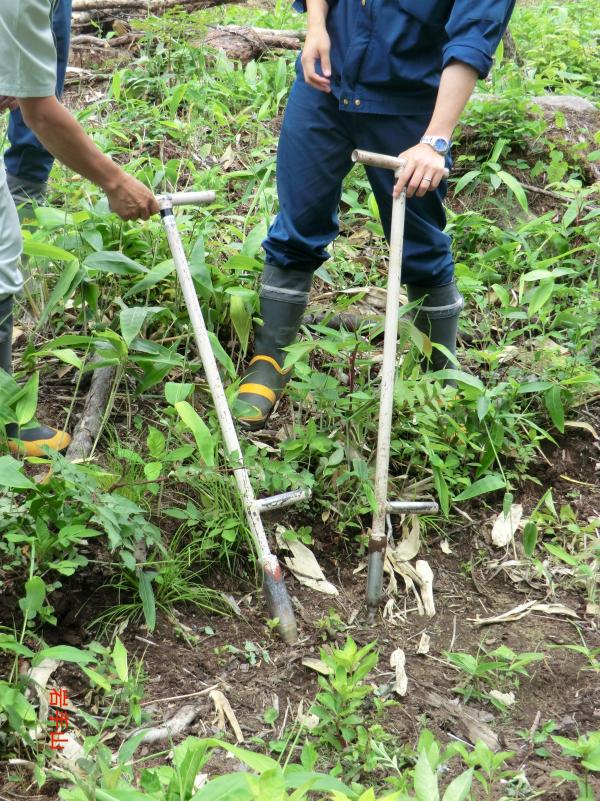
(378, 538)
(274, 589)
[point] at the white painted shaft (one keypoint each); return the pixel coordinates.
(230, 438)
(388, 370)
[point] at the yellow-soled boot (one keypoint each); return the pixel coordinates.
(283, 300)
(32, 440)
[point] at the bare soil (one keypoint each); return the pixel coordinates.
(468, 584)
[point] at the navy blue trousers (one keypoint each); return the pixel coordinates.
(313, 158)
(26, 157)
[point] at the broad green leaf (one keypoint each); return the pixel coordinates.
(155, 442)
(35, 595)
(133, 318)
(480, 487)
(199, 271)
(52, 217)
(148, 600)
(68, 356)
(112, 261)
(158, 273)
(16, 706)
(97, 678)
(221, 356)
(540, 297)
(11, 476)
(459, 788)
(115, 84)
(34, 249)
(232, 787)
(64, 653)
(70, 278)
(561, 554)
(119, 657)
(152, 470)
(202, 435)
(120, 794)
(530, 533)
(177, 392)
(241, 320)
(497, 151)
(255, 761)
(8, 643)
(515, 187)
(442, 490)
(466, 179)
(461, 378)
(254, 240)
(553, 402)
(26, 405)
(426, 785)
(534, 386)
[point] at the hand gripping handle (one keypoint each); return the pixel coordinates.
(380, 160)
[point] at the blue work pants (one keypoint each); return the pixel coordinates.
(315, 145)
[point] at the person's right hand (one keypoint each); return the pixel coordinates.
(317, 47)
(130, 199)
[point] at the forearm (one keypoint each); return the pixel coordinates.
(456, 87)
(64, 137)
(317, 11)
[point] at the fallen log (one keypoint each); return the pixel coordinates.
(246, 43)
(144, 6)
(88, 13)
(96, 410)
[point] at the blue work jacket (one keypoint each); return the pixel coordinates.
(387, 55)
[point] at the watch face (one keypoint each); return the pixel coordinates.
(441, 145)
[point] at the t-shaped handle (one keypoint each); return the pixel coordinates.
(380, 160)
(186, 199)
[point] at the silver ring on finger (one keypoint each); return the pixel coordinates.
(429, 180)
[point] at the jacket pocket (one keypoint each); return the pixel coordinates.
(432, 13)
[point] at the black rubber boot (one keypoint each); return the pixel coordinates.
(283, 300)
(437, 317)
(31, 440)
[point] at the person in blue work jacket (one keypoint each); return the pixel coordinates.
(390, 76)
(26, 161)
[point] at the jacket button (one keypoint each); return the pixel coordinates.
(363, 2)
(346, 101)
(357, 102)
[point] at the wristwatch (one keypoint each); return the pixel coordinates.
(438, 143)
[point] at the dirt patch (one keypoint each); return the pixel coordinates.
(258, 672)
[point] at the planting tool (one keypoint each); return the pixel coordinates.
(378, 538)
(273, 584)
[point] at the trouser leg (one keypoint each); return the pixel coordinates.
(427, 265)
(312, 159)
(6, 324)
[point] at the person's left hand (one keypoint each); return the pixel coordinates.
(9, 103)
(423, 172)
